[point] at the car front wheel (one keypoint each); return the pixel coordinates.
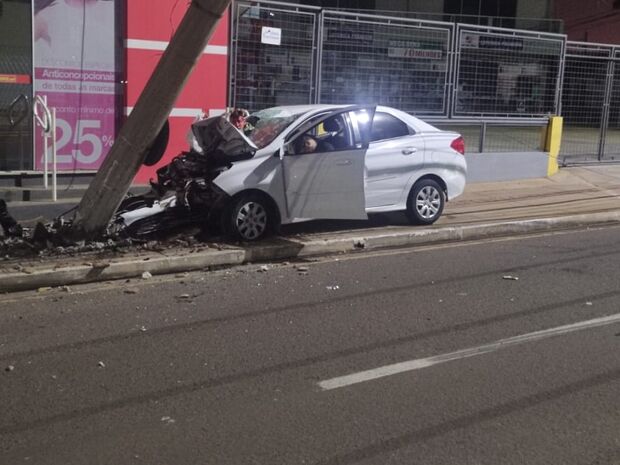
(426, 202)
(249, 218)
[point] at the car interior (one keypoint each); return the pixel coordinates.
(330, 135)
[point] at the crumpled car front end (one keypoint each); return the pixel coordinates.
(184, 193)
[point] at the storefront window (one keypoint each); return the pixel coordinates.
(15, 85)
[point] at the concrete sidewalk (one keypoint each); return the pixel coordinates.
(575, 197)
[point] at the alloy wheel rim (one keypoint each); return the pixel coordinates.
(428, 202)
(251, 221)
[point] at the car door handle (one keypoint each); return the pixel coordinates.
(343, 162)
(409, 150)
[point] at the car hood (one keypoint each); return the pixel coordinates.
(218, 135)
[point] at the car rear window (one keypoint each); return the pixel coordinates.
(386, 126)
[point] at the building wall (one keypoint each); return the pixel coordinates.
(533, 9)
(150, 26)
(598, 22)
(419, 6)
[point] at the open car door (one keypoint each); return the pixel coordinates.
(328, 182)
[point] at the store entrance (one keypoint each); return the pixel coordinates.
(16, 141)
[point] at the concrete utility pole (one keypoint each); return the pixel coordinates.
(114, 178)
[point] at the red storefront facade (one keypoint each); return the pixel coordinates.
(150, 25)
(90, 59)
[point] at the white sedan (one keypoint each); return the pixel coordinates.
(298, 163)
(339, 162)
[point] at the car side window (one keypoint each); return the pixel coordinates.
(386, 126)
(330, 135)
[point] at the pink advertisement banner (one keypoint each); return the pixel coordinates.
(76, 71)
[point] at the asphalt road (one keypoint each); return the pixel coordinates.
(387, 358)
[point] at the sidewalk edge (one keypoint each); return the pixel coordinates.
(51, 277)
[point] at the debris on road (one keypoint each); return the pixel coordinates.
(146, 275)
(302, 270)
(7, 222)
(589, 304)
(510, 278)
(168, 420)
(100, 364)
(184, 296)
(332, 288)
(130, 291)
(263, 269)
(9, 368)
(57, 238)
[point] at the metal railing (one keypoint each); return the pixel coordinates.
(47, 122)
(497, 135)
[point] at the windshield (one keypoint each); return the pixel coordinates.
(265, 125)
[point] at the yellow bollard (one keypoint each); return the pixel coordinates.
(552, 138)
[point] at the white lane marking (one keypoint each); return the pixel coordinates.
(410, 365)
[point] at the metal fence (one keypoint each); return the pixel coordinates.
(586, 92)
(396, 62)
(284, 53)
(274, 55)
(496, 85)
(507, 73)
(611, 137)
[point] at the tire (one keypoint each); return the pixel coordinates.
(426, 201)
(250, 218)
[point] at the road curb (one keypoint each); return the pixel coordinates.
(51, 275)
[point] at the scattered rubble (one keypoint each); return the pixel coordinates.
(54, 239)
(302, 269)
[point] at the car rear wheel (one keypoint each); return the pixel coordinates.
(426, 202)
(250, 218)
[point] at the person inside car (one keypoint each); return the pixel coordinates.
(308, 144)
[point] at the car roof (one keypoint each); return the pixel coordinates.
(418, 124)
